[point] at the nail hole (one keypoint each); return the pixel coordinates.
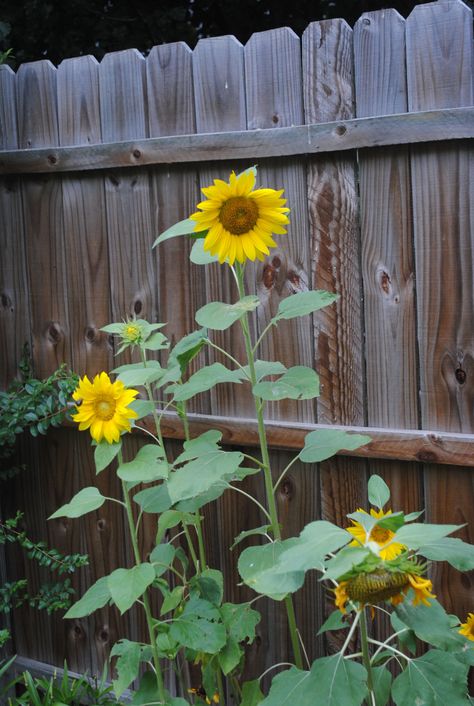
(275, 119)
(137, 154)
(52, 159)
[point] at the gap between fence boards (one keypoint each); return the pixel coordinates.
(357, 133)
(395, 444)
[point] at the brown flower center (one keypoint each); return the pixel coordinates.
(380, 535)
(377, 586)
(104, 409)
(239, 214)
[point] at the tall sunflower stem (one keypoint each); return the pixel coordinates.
(183, 415)
(149, 393)
(146, 600)
(267, 473)
(366, 655)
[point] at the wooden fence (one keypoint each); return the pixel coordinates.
(367, 129)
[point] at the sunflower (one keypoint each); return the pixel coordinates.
(379, 535)
(104, 409)
(381, 585)
(467, 628)
(240, 221)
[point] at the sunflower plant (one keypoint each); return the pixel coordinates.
(378, 564)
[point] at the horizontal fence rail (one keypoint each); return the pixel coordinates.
(336, 136)
(394, 444)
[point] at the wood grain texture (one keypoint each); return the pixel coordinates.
(332, 202)
(180, 285)
(85, 234)
(218, 72)
(274, 97)
(14, 303)
(43, 221)
(332, 136)
(387, 251)
(440, 60)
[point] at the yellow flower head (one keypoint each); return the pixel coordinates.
(467, 628)
(379, 535)
(381, 585)
(240, 221)
(341, 596)
(104, 408)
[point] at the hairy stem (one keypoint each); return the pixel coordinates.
(146, 600)
(365, 654)
(267, 473)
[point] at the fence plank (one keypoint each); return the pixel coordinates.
(328, 94)
(440, 61)
(387, 252)
(44, 228)
(175, 193)
(387, 255)
(14, 304)
(218, 65)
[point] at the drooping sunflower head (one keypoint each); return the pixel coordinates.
(467, 628)
(370, 583)
(239, 219)
(104, 407)
(379, 536)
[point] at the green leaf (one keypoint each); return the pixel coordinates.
(451, 549)
(147, 466)
(266, 367)
(332, 681)
(407, 637)
(147, 693)
(298, 383)
(344, 561)
(303, 303)
(198, 629)
(97, 596)
(431, 624)
(127, 585)
(185, 227)
(154, 500)
(210, 584)
(382, 679)
(199, 256)
(434, 679)
(186, 349)
(379, 492)
(200, 445)
(85, 501)
(324, 443)
(104, 454)
(263, 530)
(201, 474)
(417, 534)
(127, 664)
(240, 620)
(172, 600)
(156, 342)
(142, 407)
(308, 551)
(171, 518)
(136, 374)
(203, 380)
(334, 622)
(259, 568)
(162, 557)
(229, 656)
(219, 316)
(251, 693)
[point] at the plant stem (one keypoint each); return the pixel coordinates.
(146, 601)
(183, 415)
(267, 473)
(366, 654)
(149, 393)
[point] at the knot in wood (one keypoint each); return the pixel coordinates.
(460, 376)
(54, 333)
(6, 301)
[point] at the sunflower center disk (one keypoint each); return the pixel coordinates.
(380, 535)
(104, 409)
(239, 215)
(376, 586)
